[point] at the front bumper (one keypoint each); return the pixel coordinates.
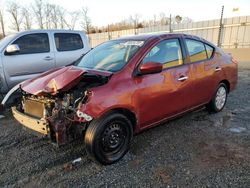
(38, 125)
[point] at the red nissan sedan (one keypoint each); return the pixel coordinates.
(122, 87)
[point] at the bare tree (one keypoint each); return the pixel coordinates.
(61, 17)
(155, 20)
(38, 7)
(27, 22)
(54, 16)
(74, 16)
(163, 18)
(135, 19)
(86, 23)
(47, 15)
(2, 23)
(16, 12)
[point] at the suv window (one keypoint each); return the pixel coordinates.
(167, 52)
(68, 41)
(196, 50)
(33, 43)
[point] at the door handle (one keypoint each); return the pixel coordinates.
(182, 78)
(217, 69)
(48, 58)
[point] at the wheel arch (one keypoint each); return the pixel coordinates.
(126, 112)
(227, 83)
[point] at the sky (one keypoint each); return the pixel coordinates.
(103, 12)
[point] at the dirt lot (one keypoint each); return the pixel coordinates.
(196, 150)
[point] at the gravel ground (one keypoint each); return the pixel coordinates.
(196, 150)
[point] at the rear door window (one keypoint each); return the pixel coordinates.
(68, 41)
(33, 43)
(196, 50)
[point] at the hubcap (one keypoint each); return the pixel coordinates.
(113, 138)
(220, 98)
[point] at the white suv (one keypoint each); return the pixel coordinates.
(26, 54)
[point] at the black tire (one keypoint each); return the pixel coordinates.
(108, 139)
(1, 106)
(213, 106)
(1, 97)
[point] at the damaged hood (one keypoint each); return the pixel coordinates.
(58, 79)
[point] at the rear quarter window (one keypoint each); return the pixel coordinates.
(210, 51)
(68, 41)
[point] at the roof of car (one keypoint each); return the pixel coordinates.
(162, 35)
(158, 35)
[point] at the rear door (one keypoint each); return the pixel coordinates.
(35, 57)
(205, 69)
(69, 47)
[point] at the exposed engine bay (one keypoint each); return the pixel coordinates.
(60, 110)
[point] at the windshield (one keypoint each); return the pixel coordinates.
(110, 56)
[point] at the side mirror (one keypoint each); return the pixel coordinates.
(12, 49)
(150, 68)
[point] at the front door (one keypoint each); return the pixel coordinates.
(35, 57)
(164, 94)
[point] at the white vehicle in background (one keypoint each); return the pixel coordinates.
(26, 54)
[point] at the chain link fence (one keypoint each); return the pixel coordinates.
(235, 32)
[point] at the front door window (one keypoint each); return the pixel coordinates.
(167, 52)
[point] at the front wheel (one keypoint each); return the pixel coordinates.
(107, 139)
(219, 99)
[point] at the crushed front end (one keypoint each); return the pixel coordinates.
(56, 114)
(54, 117)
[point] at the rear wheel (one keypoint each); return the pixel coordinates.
(219, 99)
(107, 139)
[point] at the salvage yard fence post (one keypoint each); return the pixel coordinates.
(220, 28)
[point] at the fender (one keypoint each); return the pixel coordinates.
(3, 84)
(10, 97)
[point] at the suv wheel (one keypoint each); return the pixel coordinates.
(219, 99)
(107, 139)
